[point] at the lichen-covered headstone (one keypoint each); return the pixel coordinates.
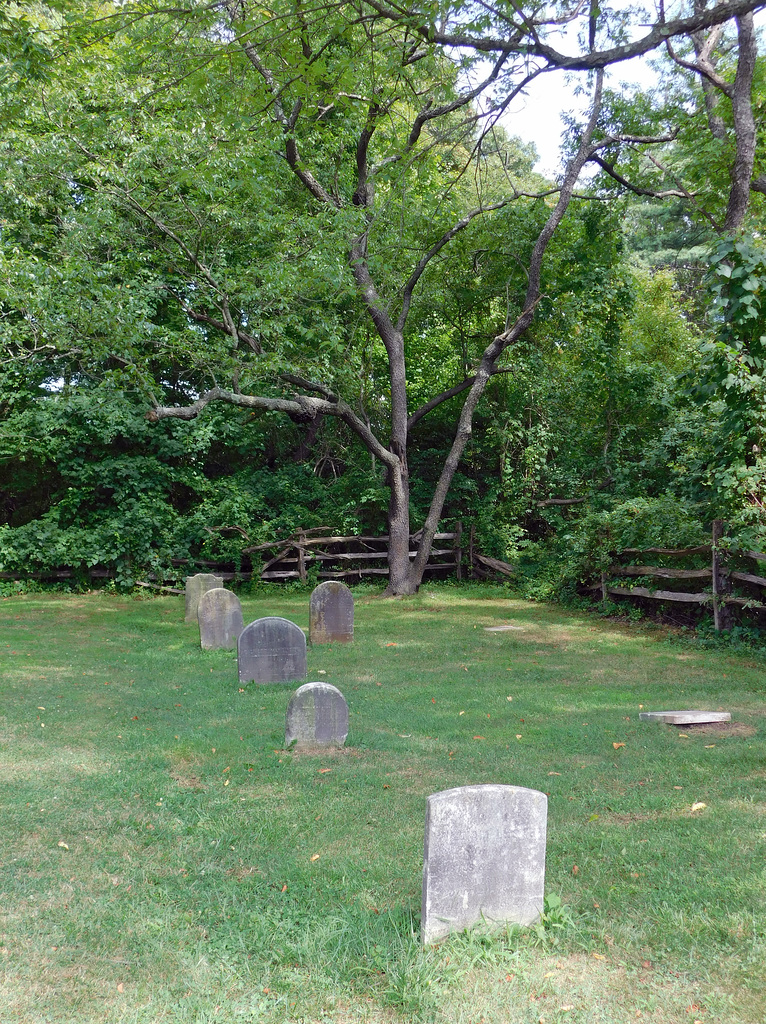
(331, 613)
(195, 587)
(317, 716)
(484, 858)
(271, 650)
(220, 619)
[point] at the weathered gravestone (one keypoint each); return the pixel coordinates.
(195, 587)
(271, 650)
(220, 619)
(484, 858)
(317, 716)
(685, 717)
(331, 613)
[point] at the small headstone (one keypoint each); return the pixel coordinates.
(271, 650)
(220, 619)
(685, 717)
(331, 613)
(484, 858)
(195, 587)
(317, 716)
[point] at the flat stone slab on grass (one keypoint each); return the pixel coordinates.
(317, 716)
(331, 614)
(484, 858)
(271, 650)
(220, 619)
(685, 717)
(194, 588)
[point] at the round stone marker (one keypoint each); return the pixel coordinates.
(271, 650)
(194, 588)
(331, 613)
(317, 716)
(220, 619)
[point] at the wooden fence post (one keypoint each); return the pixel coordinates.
(722, 617)
(471, 537)
(301, 556)
(459, 551)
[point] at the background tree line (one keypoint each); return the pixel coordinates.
(306, 242)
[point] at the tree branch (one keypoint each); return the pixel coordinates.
(521, 43)
(437, 400)
(610, 170)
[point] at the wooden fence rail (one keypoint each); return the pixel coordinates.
(334, 557)
(720, 598)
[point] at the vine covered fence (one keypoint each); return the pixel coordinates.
(726, 571)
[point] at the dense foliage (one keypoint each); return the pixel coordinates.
(153, 246)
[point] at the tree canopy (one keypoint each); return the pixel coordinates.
(310, 228)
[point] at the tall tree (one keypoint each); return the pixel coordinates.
(371, 107)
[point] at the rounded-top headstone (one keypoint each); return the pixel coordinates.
(220, 619)
(484, 858)
(194, 588)
(317, 716)
(271, 650)
(331, 613)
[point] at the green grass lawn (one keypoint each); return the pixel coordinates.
(159, 846)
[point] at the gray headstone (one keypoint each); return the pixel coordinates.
(685, 717)
(331, 613)
(271, 650)
(220, 619)
(195, 587)
(484, 858)
(317, 716)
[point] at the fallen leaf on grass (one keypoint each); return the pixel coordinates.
(461, 712)
(392, 645)
(554, 773)
(63, 846)
(618, 745)
(324, 771)
(314, 856)
(121, 987)
(509, 698)
(478, 737)
(284, 887)
(709, 746)
(698, 807)
(518, 735)
(575, 870)
(567, 1008)
(683, 735)
(598, 956)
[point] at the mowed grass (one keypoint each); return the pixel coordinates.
(158, 844)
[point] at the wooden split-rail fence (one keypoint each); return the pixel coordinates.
(726, 569)
(314, 551)
(353, 557)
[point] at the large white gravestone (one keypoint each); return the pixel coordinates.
(194, 588)
(220, 619)
(271, 650)
(484, 858)
(317, 716)
(331, 613)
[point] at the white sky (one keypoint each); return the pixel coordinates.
(536, 117)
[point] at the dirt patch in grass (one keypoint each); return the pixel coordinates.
(331, 752)
(184, 772)
(720, 729)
